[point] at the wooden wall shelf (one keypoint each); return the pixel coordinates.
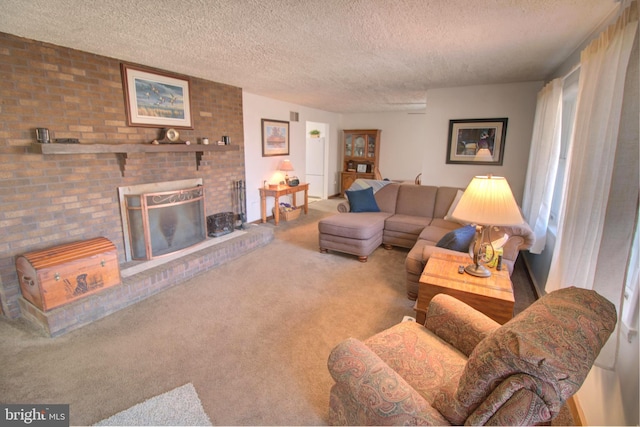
(122, 150)
(126, 148)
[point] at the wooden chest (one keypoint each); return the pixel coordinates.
(53, 277)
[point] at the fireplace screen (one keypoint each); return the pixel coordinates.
(165, 222)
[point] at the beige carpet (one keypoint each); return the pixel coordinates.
(180, 406)
(252, 336)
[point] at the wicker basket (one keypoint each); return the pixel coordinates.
(288, 215)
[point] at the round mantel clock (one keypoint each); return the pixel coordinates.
(171, 135)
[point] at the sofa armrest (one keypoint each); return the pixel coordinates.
(344, 207)
(457, 323)
(521, 237)
(381, 395)
(518, 400)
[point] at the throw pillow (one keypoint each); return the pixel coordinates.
(362, 200)
(458, 239)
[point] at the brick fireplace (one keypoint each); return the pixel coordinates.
(161, 218)
(49, 198)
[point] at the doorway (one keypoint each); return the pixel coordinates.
(317, 159)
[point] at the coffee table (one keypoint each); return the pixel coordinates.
(492, 295)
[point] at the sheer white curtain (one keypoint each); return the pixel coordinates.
(543, 162)
(629, 310)
(577, 255)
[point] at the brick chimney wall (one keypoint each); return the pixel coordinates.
(46, 200)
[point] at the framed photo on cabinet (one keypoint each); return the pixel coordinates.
(476, 141)
(275, 138)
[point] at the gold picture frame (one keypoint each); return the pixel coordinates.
(155, 98)
(275, 138)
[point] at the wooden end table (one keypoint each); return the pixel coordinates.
(492, 295)
(278, 192)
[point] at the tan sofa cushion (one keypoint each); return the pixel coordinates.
(358, 225)
(386, 197)
(445, 197)
(416, 200)
(407, 224)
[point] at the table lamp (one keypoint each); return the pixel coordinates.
(286, 166)
(487, 202)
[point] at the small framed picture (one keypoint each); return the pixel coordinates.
(362, 168)
(275, 138)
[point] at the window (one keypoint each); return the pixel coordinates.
(569, 101)
(630, 303)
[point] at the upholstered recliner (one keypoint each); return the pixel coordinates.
(464, 368)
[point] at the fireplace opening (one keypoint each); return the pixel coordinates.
(162, 218)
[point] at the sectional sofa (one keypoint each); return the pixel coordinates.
(410, 216)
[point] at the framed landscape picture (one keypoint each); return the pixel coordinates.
(476, 141)
(156, 99)
(275, 138)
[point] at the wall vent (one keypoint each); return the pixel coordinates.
(293, 116)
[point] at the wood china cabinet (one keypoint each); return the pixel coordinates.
(361, 154)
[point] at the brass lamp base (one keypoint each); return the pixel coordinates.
(477, 270)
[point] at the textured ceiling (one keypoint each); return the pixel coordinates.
(335, 55)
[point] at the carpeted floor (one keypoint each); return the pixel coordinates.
(252, 336)
(180, 406)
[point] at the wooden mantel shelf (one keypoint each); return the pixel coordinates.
(126, 148)
(122, 150)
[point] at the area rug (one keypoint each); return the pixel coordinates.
(178, 407)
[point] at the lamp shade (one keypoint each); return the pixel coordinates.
(483, 155)
(488, 200)
(285, 166)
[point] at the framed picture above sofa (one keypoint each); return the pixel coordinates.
(476, 141)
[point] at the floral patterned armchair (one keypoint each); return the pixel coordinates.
(464, 368)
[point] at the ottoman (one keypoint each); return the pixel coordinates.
(355, 233)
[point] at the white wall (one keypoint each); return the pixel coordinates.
(415, 143)
(258, 168)
(411, 143)
(402, 140)
(516, 101)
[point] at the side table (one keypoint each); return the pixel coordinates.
(492, 295)
(278, 192)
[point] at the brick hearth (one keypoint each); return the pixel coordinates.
(144, 284)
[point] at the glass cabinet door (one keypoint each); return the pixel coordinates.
(348, 146)
(371, 147)
(359, 146)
